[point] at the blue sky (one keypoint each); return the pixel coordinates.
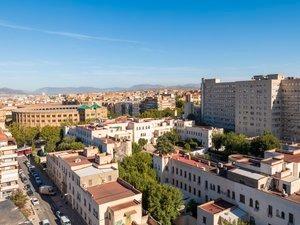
(120, 43)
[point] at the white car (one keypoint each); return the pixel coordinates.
(45, 222)
(35, 201)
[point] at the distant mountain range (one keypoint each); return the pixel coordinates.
(66, 90)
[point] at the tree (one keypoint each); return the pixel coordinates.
(142, 142)
(164, 145)
(236, 222)
(136, 148)
(162, 201)
(50, 146)
(19, 198)
(187, 147)
(192, 207)
(69, 143)
(23, 135)
(236, 143)
(51, 134)
(267, 141)
(172, 136)
(218, 140)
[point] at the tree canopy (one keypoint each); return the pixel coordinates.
(161, 201)
(239, 143)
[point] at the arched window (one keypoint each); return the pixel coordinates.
(282, 215)
(251, 202)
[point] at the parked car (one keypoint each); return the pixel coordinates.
(35, 201)
(58, 214)
(45, 222)
(64, 220)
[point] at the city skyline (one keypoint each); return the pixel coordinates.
(116, 44)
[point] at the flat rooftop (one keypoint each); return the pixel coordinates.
(124, 205)
(245, 173)
(109, 192)
(91, 170)
(217, 206)
(77, 160)
(292, 158)
(191, 162)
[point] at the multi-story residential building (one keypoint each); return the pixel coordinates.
(187, 130)
(290, 113)
(127, 108)
(54, 115)
(90, 182)
(148, 103)
(265, 103)
(8, 165)
(263, 191)
(120, 133)
(165, 101)
(218, 103)
(258, 105)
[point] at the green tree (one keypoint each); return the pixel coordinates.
(236, 222)
(164, 145)
(24, 135)
(267, 141)
(187, 147)
(136, 148)
(51, 134)
(218, 140)
(50, 146)
(162, 201)
(19, 198)
(142, 142)
(236, 143)
(192, 207)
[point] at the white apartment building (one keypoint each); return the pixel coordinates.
(90, 182)
(263, 191)
(218, 103)
(187, 130)
(264, 103)
(8, 165)
(115, 134)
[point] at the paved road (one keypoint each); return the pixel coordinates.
(49, 204)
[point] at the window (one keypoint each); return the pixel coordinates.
(270, 211)
(219, 189)
(233, 195)
(199, 193)
(206, 184)
(194, 177)
(251, 202)
(256, 205)
(180, 172)
(291, 218)
(282, 215)
(199, 180)
(228, 193)
(204, 219)
(242, 198)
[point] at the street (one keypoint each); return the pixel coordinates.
(48, 205)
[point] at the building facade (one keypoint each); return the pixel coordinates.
(218, 103)
(8, 165)
(54, 115)
(265, 103)
(90, 182)
(187, 130)
(263, 191)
